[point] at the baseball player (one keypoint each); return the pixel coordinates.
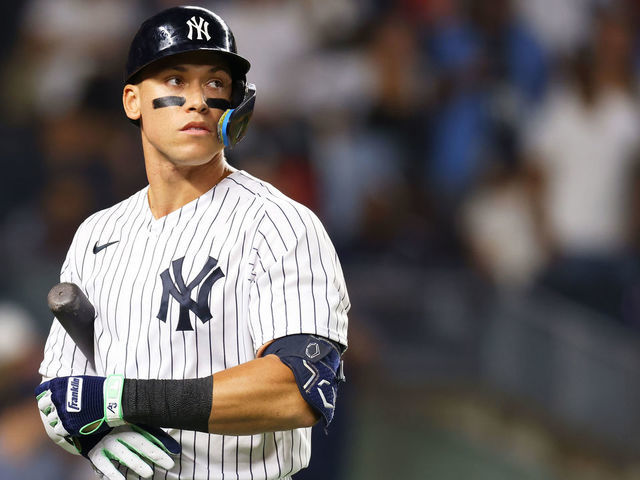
(220, 304)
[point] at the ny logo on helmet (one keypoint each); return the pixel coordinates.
(202, 28)
(182, 292)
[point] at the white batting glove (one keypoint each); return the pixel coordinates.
(129, 445)
(53, 426)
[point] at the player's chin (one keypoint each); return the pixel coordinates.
(197, 154)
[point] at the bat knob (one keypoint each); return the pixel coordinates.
(63, 297)
(75, 313)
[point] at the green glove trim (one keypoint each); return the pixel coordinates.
(92, 427)
(113, 386)
(111, 456)
(152, 438)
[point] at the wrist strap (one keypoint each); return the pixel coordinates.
(113, 386)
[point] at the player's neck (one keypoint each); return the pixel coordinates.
(171, 187)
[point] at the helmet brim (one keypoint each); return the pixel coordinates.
(239, 65)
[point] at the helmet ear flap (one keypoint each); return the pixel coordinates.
(233, 123)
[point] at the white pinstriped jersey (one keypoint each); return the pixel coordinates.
(201, 290)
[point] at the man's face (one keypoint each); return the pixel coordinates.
(176, 122)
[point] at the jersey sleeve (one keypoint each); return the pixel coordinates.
(62, 357)
(297, 282)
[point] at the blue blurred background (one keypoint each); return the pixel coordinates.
(477, 165)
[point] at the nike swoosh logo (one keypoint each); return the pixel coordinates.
(97, 248)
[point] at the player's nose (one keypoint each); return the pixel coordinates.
(196, 100)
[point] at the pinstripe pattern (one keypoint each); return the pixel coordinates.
(281, 277)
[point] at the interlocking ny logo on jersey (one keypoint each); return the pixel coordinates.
(182, 292)
(202, 28)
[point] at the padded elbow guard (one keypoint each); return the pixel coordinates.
(317, 367)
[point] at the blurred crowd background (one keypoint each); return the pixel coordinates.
(477, 164)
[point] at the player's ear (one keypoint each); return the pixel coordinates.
(131, 101)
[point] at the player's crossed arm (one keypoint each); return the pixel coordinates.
(292, 385)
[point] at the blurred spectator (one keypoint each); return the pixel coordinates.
(368, 158)
(58, 52)
(498, 224)
(562, 27)
(490, 71)
(583, 147)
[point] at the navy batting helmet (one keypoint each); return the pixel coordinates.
(188, 29)
(179, 30)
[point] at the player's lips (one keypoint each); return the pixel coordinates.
(197, 128)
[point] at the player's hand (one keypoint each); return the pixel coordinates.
(132, 446)
(83, 405)
(129, 445)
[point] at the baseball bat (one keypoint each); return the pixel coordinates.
(75, 313)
